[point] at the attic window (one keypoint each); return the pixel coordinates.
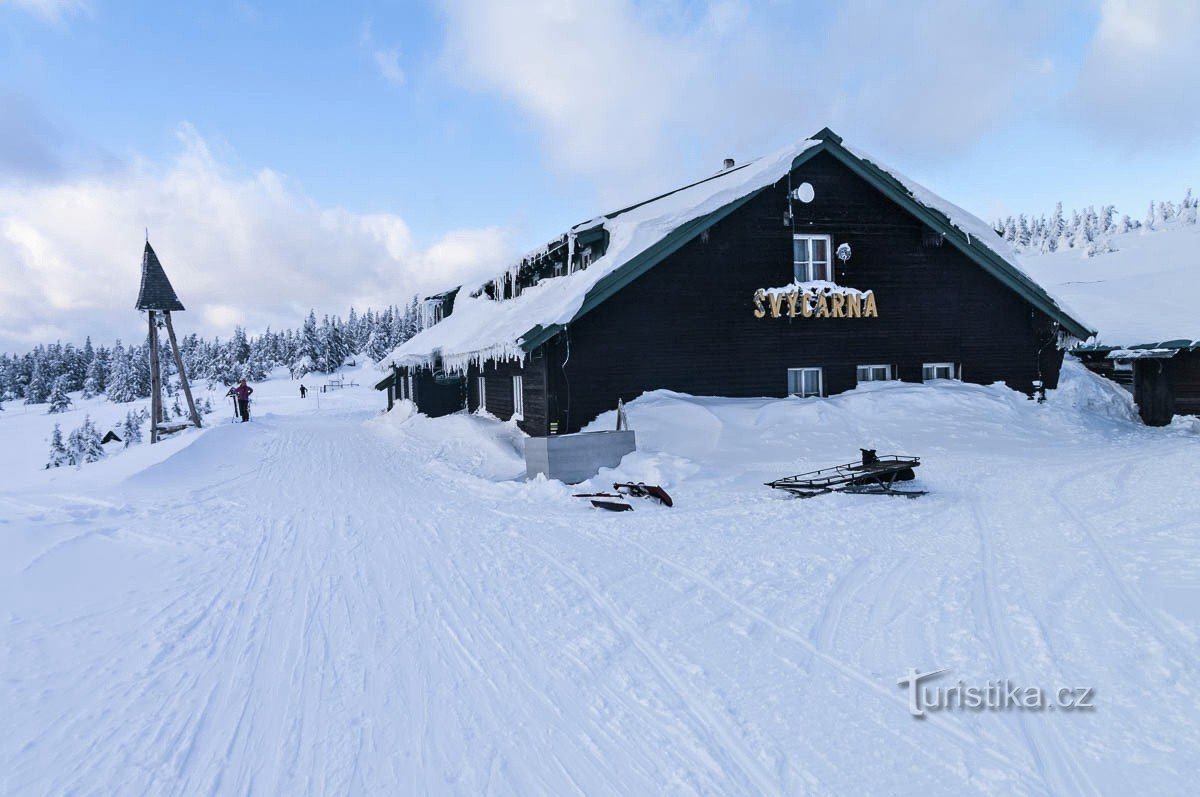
(811, 258)
(585, 257)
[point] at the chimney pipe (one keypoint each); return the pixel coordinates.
(728, 164)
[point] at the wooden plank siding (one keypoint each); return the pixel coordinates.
(498, 378)
(1187, 382)
(687, 324)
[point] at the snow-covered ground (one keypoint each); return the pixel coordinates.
(330, 600)
(1147, 291)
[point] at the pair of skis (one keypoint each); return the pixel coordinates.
(616, 500)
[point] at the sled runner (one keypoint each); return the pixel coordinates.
(615, 501)
(874, 475)
(643, 490)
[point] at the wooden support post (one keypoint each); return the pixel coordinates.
(183, 380)
(155, 381)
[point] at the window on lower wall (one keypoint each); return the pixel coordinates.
(805, 382)
(810, 258)
(874, 373)
(518, 398)
(412, 396)
(481, 387)
(931, 371)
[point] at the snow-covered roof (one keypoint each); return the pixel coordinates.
(1143, 295)
(482, 328)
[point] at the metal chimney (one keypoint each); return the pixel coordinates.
(728, 164)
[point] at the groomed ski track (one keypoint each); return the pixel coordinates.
(313, 605)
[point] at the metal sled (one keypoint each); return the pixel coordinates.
(874, 475)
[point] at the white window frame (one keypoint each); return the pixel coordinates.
(870, 371)
(518, 398)
(810, 274)
(412, 393)
(481, 388)
(927, 367)
(820, 382)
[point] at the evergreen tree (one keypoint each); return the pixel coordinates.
(59, 400)
(131, 429)
(83, 444)
(120, 386)
(1058, 228)
(38, 388)
(58, 452)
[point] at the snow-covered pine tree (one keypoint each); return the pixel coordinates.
(58, 452)
(1058, 229)
(86, 446)
(119, 386)
(1151, 215)
(59, 400)
(38, 388)
(131, 429)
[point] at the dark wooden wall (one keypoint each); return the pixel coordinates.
(499, 389)
(1187, 382)
(1154, 390)
(687, 324)
(437, 398)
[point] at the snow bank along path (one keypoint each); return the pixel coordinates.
(333, 602)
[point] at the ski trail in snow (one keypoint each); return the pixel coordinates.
(746, 762)
(1059, 768)
(310, 605)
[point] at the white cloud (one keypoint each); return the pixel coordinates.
(627, 93)
(251, 249)
(53, 11)
(388, 62)
(1136, 81)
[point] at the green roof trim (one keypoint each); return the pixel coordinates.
(979, 252)
(975, 249)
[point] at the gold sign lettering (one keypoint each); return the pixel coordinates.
(759, 310)
(822, 304)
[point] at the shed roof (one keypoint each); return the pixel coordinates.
(643, 235)
(156, 292)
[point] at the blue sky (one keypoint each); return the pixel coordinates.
(295, 154)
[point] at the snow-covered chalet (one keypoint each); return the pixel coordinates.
(802, 273)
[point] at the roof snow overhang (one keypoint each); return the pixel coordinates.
(974, 248)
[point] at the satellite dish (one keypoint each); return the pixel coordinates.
(805, 193)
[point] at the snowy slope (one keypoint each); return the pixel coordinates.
(333, 601)
(1146, 292)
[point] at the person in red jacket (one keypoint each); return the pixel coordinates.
(241, 394)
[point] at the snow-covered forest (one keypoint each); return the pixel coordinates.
(1089, 230)
(51, 372)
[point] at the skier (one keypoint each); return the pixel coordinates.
(303, 390)
(241, 394)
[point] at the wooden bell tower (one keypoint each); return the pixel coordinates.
(158, 299)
